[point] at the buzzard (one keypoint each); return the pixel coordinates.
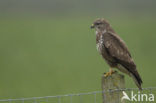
(113, 49)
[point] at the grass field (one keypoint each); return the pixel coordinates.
(52, 56)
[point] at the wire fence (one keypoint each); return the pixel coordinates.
(90, 97)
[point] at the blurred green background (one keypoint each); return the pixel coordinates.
(48, 48)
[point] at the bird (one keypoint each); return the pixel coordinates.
(114, 51)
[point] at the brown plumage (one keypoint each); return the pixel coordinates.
(114, 51)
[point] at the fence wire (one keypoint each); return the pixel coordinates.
(89, 97)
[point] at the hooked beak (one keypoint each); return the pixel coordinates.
(92, 26)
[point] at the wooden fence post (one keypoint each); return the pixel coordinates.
(115, 81)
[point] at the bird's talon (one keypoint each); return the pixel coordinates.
(107, 74)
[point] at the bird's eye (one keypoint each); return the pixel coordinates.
(98, 23)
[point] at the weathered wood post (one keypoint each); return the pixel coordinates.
(115, 81)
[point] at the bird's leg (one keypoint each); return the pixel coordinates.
(111, 71)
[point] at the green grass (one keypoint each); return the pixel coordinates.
(52, 56)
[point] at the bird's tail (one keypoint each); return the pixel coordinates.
(137, 79)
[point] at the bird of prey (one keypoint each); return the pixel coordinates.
(113, 49)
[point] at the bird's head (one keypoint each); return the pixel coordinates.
(100, 24)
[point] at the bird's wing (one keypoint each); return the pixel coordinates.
(118, 50)
(116, 47)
